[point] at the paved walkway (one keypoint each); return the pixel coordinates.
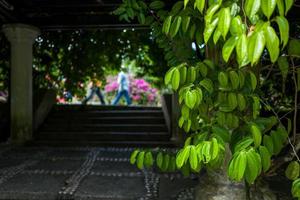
(84, 173)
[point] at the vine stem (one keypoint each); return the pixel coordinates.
(295, 102)
(289, 140)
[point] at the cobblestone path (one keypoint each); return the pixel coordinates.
(44, 173)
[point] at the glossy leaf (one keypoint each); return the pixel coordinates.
(175, 26)
(229, 47)
(200, 4)
(280, 6)
(242, 50)
(284, 28)
(272, 43)
(256, 46)
(292, 171)
(175, 79)
(288, 5)
(268, 7)
(252, 7)
(256, 134)
(265, 158)
(209, 29)
(224, 21)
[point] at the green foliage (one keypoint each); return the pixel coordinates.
(74, 56)
(219, 90)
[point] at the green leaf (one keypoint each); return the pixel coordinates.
(181, 121)
(236, 27)
(288, 5)
(284, 29)
(217, 36)
(265, 158)
(210, 12)
(207, 84)
(182, 156)
(256, 134)
(268, 143)
(296, 188)
(252, 7)
(185, 112)
(167, 24)
(223, 79)
(229, 47)
(214, 148)
(221, 132)
(234, 79)
(175, 26)
(193, 158)
(294, 47)
(156, 5)
(190, 99)
(292, 171)
(253, 80)
(199, 94)
(283, 65)
(205, 153)
(268, 7)
(176, 8)
(243, 144)
(277, 142)
(232, 100)
(183, 74)
(185, 3)
(159, 160)
(140, 160)
(175, 79)
(255, 107)
(280, 6)
(133, 156)
(166, 163)
(224, 21)
(252, 169)
(241, 102)
(272, 43)
(141, 18)
(200, 4)
(240, 166)
(242, 50)
(169, 75)
(209, 29)
(185, 23)
(256, 46)
(148, 159)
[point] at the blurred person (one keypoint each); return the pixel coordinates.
(94, 89)
(123, 89)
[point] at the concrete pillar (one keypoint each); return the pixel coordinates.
(21, 38)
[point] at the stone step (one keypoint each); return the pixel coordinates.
(105, 113)
(86, 143)
(108, 120)
(105, 127)
(102, 107)
(90, 136)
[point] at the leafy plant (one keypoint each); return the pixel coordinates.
(215, 49)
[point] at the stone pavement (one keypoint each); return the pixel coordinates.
(43, 173)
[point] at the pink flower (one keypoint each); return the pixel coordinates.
(136, 97)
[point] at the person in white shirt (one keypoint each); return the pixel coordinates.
(123, 90)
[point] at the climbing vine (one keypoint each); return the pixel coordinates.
(216, 50)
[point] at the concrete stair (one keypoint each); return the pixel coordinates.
(101, 125)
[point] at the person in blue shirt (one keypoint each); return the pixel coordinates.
(123, 90)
